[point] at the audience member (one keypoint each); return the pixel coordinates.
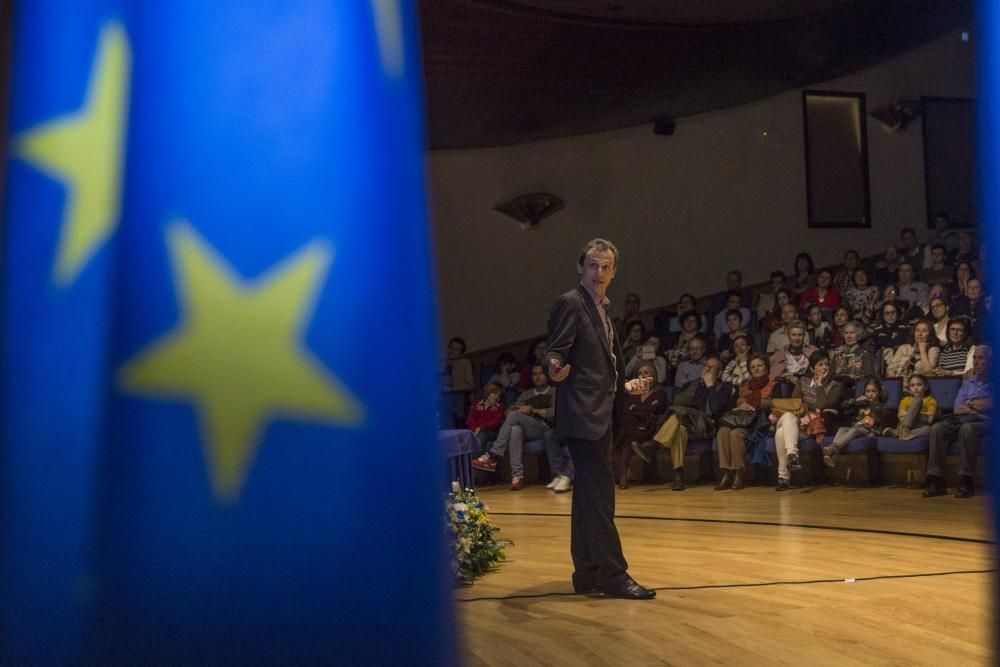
(734, 323)
(955, 359)
(754, 395)
(869, 416)
(734, 301)
(911, 291)
(844, 280)
(966, 251)
(886, 267)
(940, 313)
(767, 299)
(457, 384)
(910, 249)
(960, 279)
(818, 331)
(685, 304)
(919, 356)
(535, 354)
(635, 335)
(943, 237)
(486, 416)
(938, 271)
(530, 418)
(648, 352)
(774, 320)
(792, 360)
(852, 361)
(821, 398)
(804, 275)
(696, 404)
(506, 376)
(969, 426)
(779, 337)
(734, 283)
(690, 369)
(823, 294)
(640, 415)
(974, 306)
(917, 410)
(632, 306)
(736, 371)
(889, 333)
(689, 331)
(861, 298)
(841, 317)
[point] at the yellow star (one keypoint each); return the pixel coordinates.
(238, 353)
(84, 150)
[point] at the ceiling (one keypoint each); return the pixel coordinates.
(500, 72)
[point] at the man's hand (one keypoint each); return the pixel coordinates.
(638, 385)
(558, 372)
(525, 409)
(707, 376)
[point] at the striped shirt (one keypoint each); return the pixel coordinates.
(954, 358)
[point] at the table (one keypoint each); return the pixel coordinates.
(460, 446)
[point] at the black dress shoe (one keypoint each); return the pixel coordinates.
(678, 484)
(627, 588)
(585, 585)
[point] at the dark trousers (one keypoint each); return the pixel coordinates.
(969, 436)
(594, 544)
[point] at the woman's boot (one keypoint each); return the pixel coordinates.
(725, 482)
(738, 479)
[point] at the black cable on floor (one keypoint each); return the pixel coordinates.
(744, 585)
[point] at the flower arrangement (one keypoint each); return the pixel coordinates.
(474, 552)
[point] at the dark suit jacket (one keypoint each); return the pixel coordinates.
(587, 400)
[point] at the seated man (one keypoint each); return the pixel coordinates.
(938, 271)
(912, 291)
(970, 424)
(692, 414)
(690, 369)
(792, 360)
(779, 337)
(530, 418)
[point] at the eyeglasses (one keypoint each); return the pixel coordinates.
(956, 330)
(889, 312)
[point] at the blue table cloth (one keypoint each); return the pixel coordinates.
(460, 445)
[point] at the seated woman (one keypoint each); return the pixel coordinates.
(852, 361)
(689, 330)
(640, 415)
(841, 317)
(649, 352)
(804, 275)
(773, 320)
(685, 304)
(955, 359)
(486, 416)
(940, 315)
(819, 332)
(635, 335)
(869, 418)
(963, 274)
(861, 298)
(736, 371)
(824, 294)
(755, 395)
(920, 356)
(889, 333)
(792, 360)
(844, 279)
(821, 398)
(916, 411)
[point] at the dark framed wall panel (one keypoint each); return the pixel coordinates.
(949, 125)
(836, 151)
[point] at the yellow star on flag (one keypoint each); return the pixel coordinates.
(238, 353)
(84, 150)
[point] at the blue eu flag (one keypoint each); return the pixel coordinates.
(250, 338)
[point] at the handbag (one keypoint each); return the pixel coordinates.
(698, 424)
(738, 419)
(814, 424)
(780, 406)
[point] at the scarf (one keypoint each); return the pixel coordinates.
(755, 390)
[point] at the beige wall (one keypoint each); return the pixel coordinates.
(682, 209)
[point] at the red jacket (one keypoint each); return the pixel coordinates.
(485, 417)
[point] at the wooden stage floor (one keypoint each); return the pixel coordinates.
(827, 575)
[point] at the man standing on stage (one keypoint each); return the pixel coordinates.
(585, 356)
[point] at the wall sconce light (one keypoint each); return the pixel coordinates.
(531, 208)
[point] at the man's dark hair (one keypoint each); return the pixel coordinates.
(734, 292)
(460, 341)
(939, 246)
(505, 358)
(906, 229)
(734, 312)
(778, 274)
(601, 245)
(941, 214)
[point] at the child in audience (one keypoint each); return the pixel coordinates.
(506, 375)
(916, 411)
(870, 416)
(487, 415)
(819, 332)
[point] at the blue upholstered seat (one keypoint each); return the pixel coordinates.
(897, 446)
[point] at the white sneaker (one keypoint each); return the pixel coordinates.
(552, 484)
(563, 484)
